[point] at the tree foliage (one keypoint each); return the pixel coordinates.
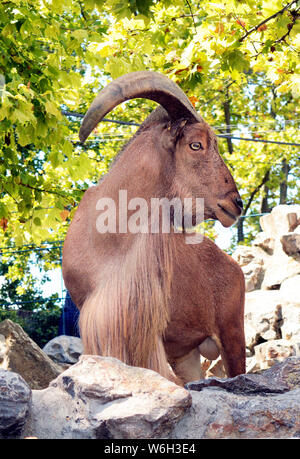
(238, 61)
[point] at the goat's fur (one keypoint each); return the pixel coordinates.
(151, 300)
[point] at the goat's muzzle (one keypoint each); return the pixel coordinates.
(229, 210)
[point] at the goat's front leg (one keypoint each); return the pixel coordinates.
(233, 349)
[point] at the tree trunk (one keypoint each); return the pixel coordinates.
(226, 108)
(284, 185)
(264, 205)
(240, 230)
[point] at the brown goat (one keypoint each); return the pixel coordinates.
(150, 299)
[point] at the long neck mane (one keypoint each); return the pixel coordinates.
(135, 287)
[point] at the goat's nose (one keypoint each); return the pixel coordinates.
(239, 202)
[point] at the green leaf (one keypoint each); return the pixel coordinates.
(37, 221)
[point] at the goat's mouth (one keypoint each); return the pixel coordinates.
(227, 215)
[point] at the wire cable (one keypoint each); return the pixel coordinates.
(131, 123)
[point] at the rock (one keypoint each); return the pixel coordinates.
(64, 349)
(290, 290)
(251, 260)
(265, 242)
(3, 351)
(270, 352)
(278, 271)
(15, 396)
(23, 356)
(283, 219)
(263, 317)
(282, 377)
(281, 224)
(290, 328)
(244, 255)
(101, 397)
(254, 274)
(291, 244)
(251, 365)
(265, 405)
(213, 368)
(279, 267)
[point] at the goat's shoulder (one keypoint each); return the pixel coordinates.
(209, 251)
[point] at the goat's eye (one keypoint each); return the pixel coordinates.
(196, 146)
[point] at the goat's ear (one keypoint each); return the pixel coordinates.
(176, 128)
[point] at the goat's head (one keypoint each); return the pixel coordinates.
(198, 169)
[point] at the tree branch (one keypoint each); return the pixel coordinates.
(290, 27)
(267, 20)
(256, 190)
(41, 190)
(191, 11)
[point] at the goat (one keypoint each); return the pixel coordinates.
(150, 299)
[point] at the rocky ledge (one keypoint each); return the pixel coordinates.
(102, 398)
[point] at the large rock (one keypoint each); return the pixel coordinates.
(283, 219)
(290, 294)
(291, 244)
(22, 355)
(290, 290)
(280, 224)
(64, 349)
(252, 261)
(263, 317)
(265, 242)
(290, 328)
(270, 352)
(254, 274)
(15, 396)
(101, 397)
(280, 268)
(265, 405)
(244, 255)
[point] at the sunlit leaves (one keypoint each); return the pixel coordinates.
(58, 55)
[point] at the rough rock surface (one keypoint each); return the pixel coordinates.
(281, 224)
(263, 315)
(15, 396)
(290, 290)
(265, 405)
(291, 244)
(64, 349)
(271, 267)
(101, 397)
(23, 356)
(270, 352)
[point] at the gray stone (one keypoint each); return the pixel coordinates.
(283, 219)
(244, 255)
(279, 268)
(282, 377)
(22, 355)
(270, 352)
(101, 397)
(265, 242)
(290, 290)
(263, 316)
(281, 224)
(254, 274)
(290, 328)
(64, 349)
(291, 244)
(15, 396)
(265, 405)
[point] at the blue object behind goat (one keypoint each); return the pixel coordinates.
(68, 323)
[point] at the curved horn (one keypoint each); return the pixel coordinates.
(144, 84)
